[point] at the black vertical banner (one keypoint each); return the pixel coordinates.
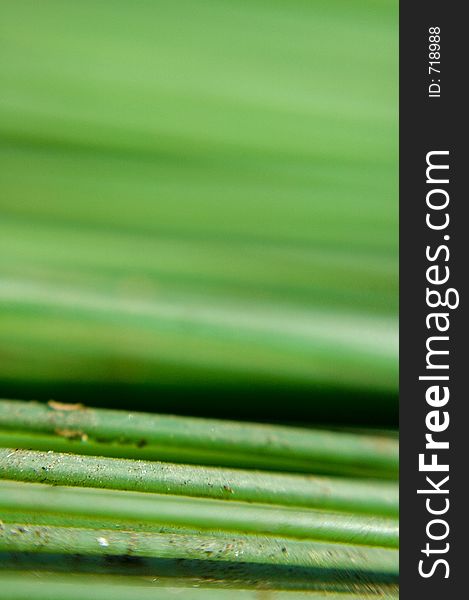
(434, 359)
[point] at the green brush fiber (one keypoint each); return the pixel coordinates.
(201, 513)
(365, 496)
(23, 586)
(335, 558)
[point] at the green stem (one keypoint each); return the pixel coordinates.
(233, 484)
(25, 586)
(333, 452)
(75, 444)
(341, 560)
(203, 513)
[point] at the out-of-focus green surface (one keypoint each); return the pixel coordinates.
(199, 205)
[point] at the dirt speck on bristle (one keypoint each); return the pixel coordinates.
(72, 434)
(64, 406)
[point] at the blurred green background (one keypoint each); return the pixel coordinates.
(199, 206)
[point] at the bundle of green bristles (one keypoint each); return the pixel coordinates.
(172, 502)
